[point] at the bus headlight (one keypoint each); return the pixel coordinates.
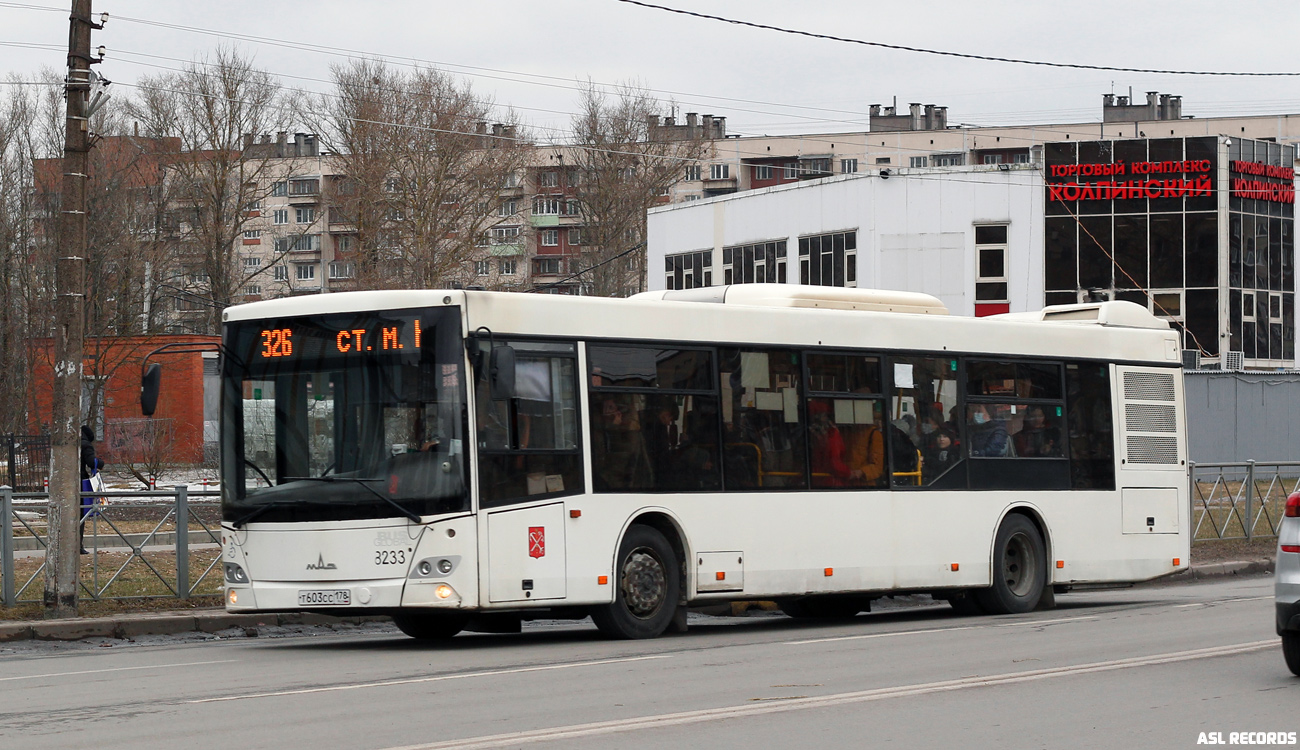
(444, 566)
(235, 574)
(424, 568)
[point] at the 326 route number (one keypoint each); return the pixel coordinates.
(276, 342)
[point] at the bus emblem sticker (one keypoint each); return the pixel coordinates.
(537, 541)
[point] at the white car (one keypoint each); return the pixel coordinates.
(1286, 584)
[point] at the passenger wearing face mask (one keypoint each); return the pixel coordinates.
(988, 436)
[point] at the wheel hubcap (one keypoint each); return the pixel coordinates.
(645, 586)
(1018, 565)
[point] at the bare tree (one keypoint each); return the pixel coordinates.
(421, 176)
(210, 188)
(624, 167)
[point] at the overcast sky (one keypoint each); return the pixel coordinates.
(529, 53)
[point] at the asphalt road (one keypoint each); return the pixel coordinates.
(1147, 667)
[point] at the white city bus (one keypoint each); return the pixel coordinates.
(469, 459)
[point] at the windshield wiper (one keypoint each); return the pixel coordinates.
(409, 514)
(258, 469)
(273, 504)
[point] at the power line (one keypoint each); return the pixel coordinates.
(945, 53)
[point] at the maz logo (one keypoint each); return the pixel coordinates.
(320, 564)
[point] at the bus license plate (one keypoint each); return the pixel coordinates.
(340, 597)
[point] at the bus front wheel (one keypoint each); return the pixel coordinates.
(430, 627)
(647, 587)
(1019, 569)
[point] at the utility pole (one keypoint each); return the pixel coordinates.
(62, 553)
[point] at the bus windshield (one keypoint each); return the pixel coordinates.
(344, 416)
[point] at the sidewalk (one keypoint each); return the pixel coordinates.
(216, 620)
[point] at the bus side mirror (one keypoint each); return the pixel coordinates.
(150, 382)
(501, 373)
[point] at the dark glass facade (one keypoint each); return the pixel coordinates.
(1140, 220)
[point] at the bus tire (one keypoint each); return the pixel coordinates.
(1019, 569)
(431, 627)
(647, 587)
(1291, 651)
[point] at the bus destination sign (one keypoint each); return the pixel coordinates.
(374, 337)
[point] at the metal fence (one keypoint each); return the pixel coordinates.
(1240, 500)
(137, 545)
(26, 461)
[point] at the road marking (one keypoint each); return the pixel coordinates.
(575, 731)
(437, 678)
(891, 634)
(114, 669)
(1223, 601)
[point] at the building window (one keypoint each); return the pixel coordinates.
(575, 237)
(508, 208)
(762, 172)
(791, 170)
(816, 167)
(1021, 158)
(550, 238)
(305, 271)
(546, 266)
(1167, 304)
(280, 273)
(507, 266)
(688, 270)
(992, 158)
(254, 205)
(547, 205)
(505, 235)
(917, 161)
(572, 207)
(991, 255)
(343, 243)
(482, 267)
(549, 179)
(691, 197)
(884, 160)
(848, 166)
(829, 259)
(510, 181)
(280, 216)
(253, 234)
(252, 289)
(719, 171)
(693, 173)
(304, 187)
(341, 270)
(279, 189)
(947, 160)
(305, 215)
(252, 262)
(304, 243)
(1248, 307)
(758, 263)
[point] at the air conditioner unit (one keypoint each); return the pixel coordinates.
(1234, 360)
(1191, 359)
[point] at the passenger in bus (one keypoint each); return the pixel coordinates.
(939, 448)
(866, 454)
(1035, 437)
(987, 435)
(619, 453)
(828, 466)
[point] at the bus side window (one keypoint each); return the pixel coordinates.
(1092, 437)
(923, 423)
(763, 430)
(528, 445)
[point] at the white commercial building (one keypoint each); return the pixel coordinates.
(971, 236)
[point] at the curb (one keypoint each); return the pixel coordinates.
(133, 626)
(1230, 568)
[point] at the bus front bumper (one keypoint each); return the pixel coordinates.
(323, 596)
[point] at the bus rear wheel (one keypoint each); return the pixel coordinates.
(1291, 651)
(1019, 569)
(431, 627)
(648, 585)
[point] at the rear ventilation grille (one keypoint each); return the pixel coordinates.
(1150, 418)
(1149, 449)
(1149, 386)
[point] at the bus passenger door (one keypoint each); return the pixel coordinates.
(525, 555)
